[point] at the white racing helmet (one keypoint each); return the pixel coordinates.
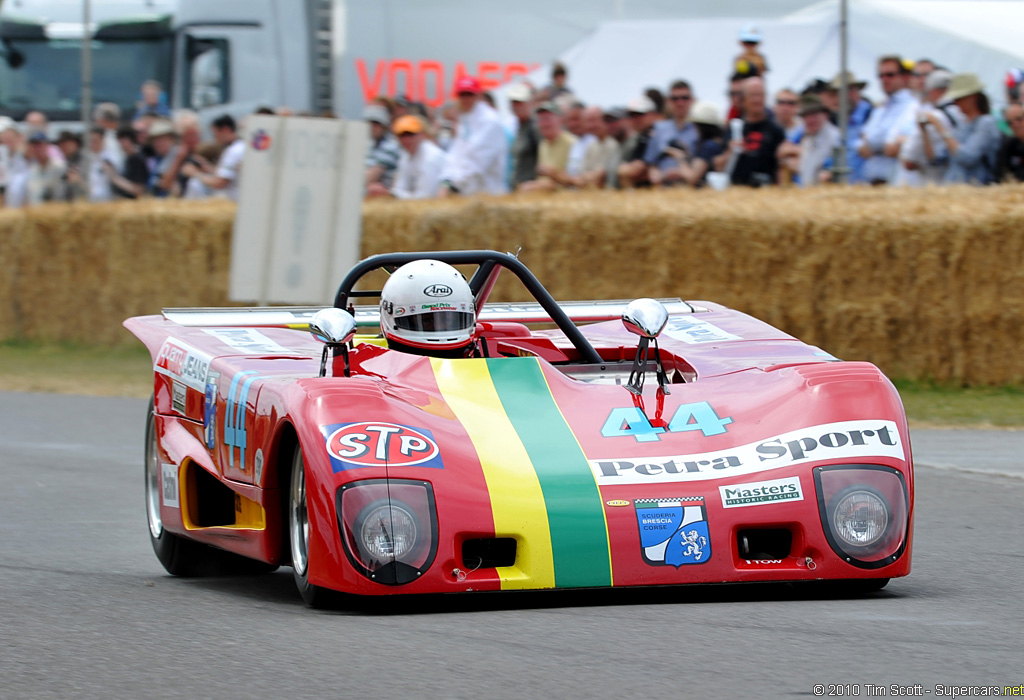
(427, 305)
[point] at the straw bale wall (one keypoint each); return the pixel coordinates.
(926, 284)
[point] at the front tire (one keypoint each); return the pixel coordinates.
(298, 537)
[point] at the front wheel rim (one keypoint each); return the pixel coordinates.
(156, 525)
(299, 517)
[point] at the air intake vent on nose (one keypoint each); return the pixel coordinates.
(489, 552)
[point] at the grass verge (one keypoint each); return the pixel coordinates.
(127, 371)
(68, 369)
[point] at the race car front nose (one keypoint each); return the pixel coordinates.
(388, 528)
(864, 512)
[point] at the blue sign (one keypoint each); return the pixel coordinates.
(673, 531)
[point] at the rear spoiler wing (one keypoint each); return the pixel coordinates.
(368, 317)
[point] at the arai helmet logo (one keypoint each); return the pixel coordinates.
(438, 290)
(378, 444)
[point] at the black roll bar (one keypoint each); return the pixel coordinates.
(486, 259)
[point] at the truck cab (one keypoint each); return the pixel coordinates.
(213, 56)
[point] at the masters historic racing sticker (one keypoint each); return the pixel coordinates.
(852, 439)
(760, 493)
(376, 444)
(673, 531)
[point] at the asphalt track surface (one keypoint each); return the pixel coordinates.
(86, 611)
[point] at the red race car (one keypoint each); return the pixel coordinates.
(627, 444)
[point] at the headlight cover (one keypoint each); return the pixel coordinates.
(388, 528)
(864, 511)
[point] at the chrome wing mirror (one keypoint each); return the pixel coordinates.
(645, 318)
(335, 328)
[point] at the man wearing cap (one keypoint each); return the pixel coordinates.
(478, 155)
(676, 133)
(880, 140)
(527, 139)
(821, 138)
(643, 115)
(553, 152)
(418, 175)
(860, 109)
(45, 174)
(916, 168)
(384, 150)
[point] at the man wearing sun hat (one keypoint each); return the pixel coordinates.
(973, 143)
(821, 138)
(860, 109)
(418, 175)
(478, 155)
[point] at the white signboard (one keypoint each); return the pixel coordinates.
(297, 230)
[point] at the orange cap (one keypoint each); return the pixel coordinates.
(407, 125)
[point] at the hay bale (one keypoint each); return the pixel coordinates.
(925, 283)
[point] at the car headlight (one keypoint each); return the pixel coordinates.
(388, 528)
(387, 532)
(860, 518)
(865, 512)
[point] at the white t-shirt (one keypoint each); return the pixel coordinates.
(228, 166)
(419, 176)
(99, 181)
(478, 155)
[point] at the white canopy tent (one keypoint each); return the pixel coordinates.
(620, 59)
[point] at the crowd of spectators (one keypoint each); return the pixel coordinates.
(156, 153)
(934, 126)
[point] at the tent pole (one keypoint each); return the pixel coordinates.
(841, 167)
(86, 98)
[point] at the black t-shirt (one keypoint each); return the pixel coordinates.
(1011, 159)
(524, 153)
(757, 165)
(135, 170)
(642, 139)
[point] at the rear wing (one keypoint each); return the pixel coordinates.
(368, 317)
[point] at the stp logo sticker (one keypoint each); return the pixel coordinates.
(379, 444)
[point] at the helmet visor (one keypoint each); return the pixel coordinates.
(437, 321)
